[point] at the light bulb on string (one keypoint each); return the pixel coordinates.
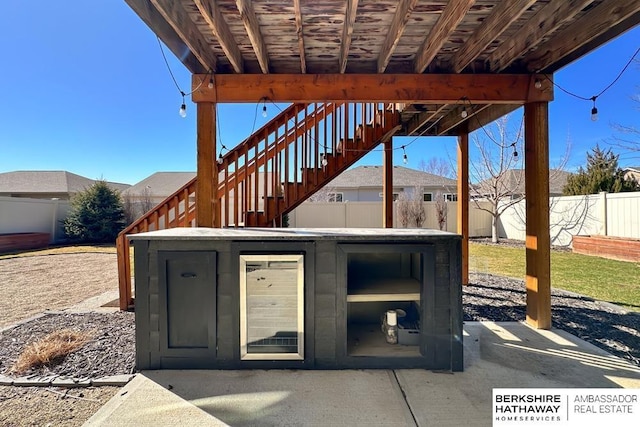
(210, 85)
(594, 110)
(464, 113)
(405, 159)
(324, 160)
(220, 158)
(183, 108)
(264, 108)
(538, 84)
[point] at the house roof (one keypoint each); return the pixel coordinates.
(237, 39)
(371, 176)
(34, 182)
(513, 182)
(160, 184)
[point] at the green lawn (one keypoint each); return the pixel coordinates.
(603, 279)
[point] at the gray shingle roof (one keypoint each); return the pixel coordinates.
(161, 184)
(371, 176)
(513, 182)
(34, 182)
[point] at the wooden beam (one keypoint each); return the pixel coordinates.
(212, 15)
(490, 114)
(347, 33)
(298, 13)
(448, 21)
(417, 121)
(400, 19)
(462, 216)
(251, 24)
(538, 242)
(418, 88)
(179, 19)
(546, 21)
(387, 185)
(502, 16)
(156, 22)
(599, 40)
(207, 173)
(594, 23)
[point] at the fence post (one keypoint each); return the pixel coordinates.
(603, 213)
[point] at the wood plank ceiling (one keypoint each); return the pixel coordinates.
(390, 37)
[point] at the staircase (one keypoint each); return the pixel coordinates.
(274, 170)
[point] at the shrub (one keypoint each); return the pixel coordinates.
(96, 216)
(49, 350)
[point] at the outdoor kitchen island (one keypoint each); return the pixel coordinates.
(270, 298)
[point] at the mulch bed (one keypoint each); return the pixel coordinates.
(488, 298)
(111, 351)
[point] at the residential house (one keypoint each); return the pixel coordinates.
(61, 185)
(632, 172)
(364, 184)
(511, 184)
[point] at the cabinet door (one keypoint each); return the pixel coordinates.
(188, 303)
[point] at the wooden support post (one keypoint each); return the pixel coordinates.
(463, 200)
(538, 247)
(387, 185)
(207, 206)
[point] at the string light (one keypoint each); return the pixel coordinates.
(324, 160)
(405, 159)
(220, 158)
(515, 151)
(183, 108)
(538, 84)
(464, 113)
(264, 107)
(594, 110)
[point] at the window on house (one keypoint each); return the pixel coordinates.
(336, 197)
(427, 197)
(451, 197)
(395, 196)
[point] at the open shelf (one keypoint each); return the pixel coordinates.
(367, 339)
(396, 289)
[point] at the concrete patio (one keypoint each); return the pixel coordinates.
(497, 355)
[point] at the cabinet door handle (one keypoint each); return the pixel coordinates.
(188, 275)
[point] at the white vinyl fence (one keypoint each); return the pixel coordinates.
(602, 214)
(21, 215)
(369, 215)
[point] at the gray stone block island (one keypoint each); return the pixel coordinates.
(298, 298)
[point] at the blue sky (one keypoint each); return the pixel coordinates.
(85, 89)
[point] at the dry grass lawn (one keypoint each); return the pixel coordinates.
(53, 280)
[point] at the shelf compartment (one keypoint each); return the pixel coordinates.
(367, 339)
(396, 289)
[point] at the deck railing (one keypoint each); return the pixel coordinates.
(274, 170)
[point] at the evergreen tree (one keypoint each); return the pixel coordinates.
(602, 174)
(96, 216)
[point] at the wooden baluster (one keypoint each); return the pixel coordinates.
(225, 165)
